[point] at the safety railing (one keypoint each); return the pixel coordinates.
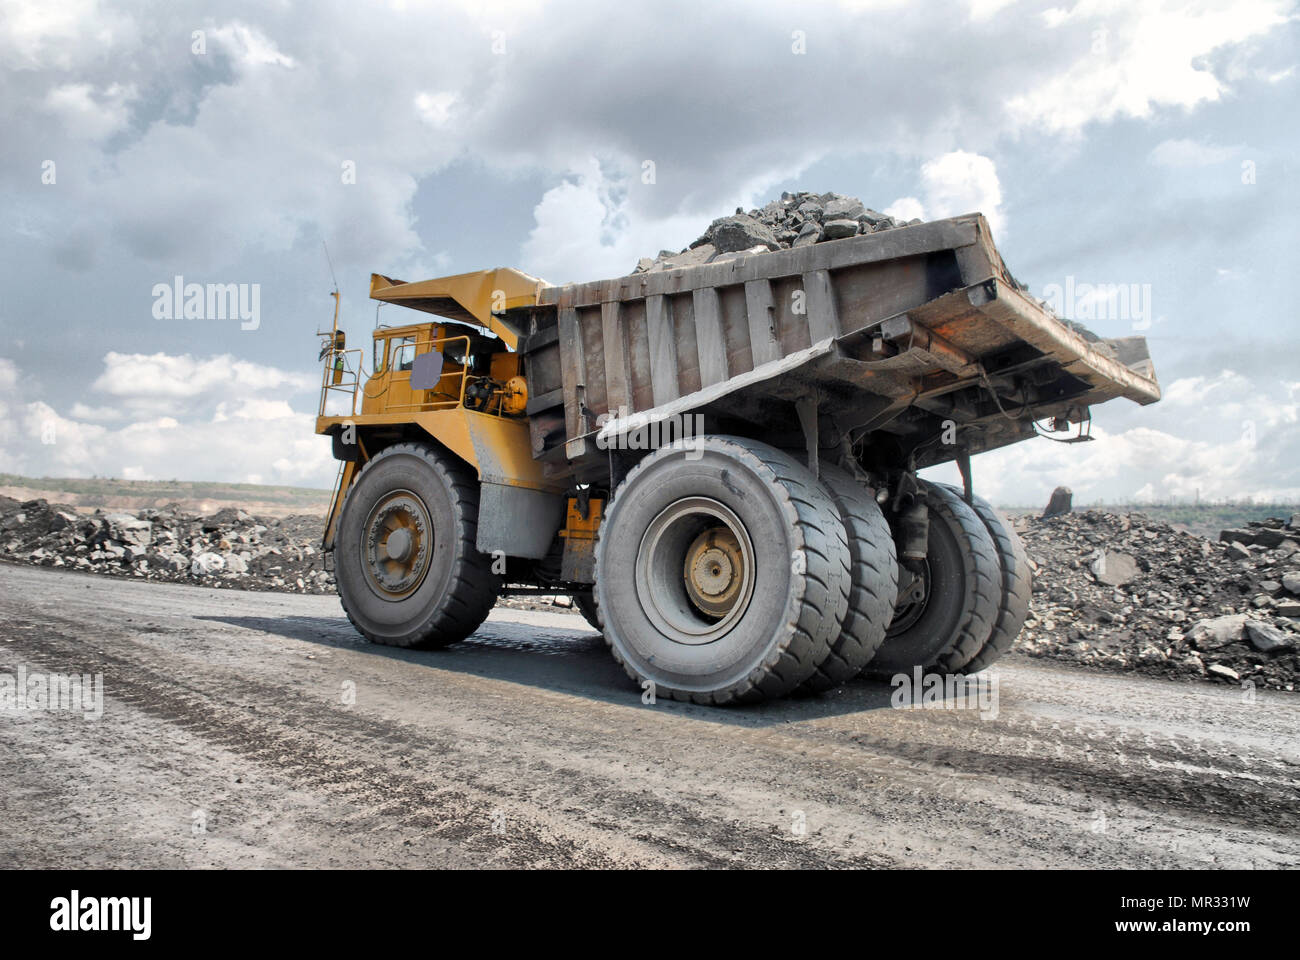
(447, 392)
(336, 361)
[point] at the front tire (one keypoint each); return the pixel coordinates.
(722, 572)
(407, 568)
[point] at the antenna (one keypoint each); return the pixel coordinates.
(333, 293)
(331, 264)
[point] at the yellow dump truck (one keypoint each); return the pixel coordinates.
(719, 463)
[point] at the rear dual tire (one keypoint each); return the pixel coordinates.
(722, 572)
(951, 618)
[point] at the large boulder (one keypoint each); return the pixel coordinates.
(840, 229)
(206, 564)
(1265, 637)
(844, 208)
(738, 232)
(127, 529)
(1060, 504)
(1218, 632)
(1113, 568)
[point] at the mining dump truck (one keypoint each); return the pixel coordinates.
(718, 463)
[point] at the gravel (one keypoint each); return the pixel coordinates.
(1115, 591)
(1126, 592)
(795, 220)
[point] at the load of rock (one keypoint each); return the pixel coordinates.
(795, 220)
(1124, 591)
(227, 549)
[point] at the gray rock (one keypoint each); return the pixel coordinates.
(1237, 536)
(1113, 568)
(225, 517)
(126, 529)
(1269, 538)
(1060, 503)
(1265, 637)
(1236, 551)
(1220, 670)
(1218, 632)
(236, 564)
(1291, 583)
(844, 208)
(1287, 608)
(205, 564)
(809, 233)
(741, 232)
(840, 229)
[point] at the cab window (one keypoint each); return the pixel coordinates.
(381, 347)
(403, 353)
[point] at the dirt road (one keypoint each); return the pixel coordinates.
(227, 739)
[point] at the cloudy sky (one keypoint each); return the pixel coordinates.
(1109, 142)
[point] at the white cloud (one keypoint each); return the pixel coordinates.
(250, 46)
(1136, 58)
(89, 113)
(435, 108)
(906, 208)
(955, 183)
(1190, 153)
(586, 227)
(82, 411)
(961, 182)
(160, 382)
(984, 9)
(191, 418)
(1223, 436)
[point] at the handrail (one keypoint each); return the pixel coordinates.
(344, 385)
(420, 347)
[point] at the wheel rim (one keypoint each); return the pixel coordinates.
(397, 545)
(909, 610)
(695, 570)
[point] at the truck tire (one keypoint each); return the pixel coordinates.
(407, 568)
(586, 605)
(954, 616)
(1017, 588)
(873, 586)
(722, 572)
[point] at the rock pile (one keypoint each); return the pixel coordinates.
(227, 549)
(1128, 592)
(796, 220)
(1115, 591)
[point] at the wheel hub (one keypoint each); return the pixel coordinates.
(714, 571)
(695, 570)
(398, 543)
(913, 598)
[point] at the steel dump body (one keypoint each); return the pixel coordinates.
(890, 335)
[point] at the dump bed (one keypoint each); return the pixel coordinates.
(893, 335)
